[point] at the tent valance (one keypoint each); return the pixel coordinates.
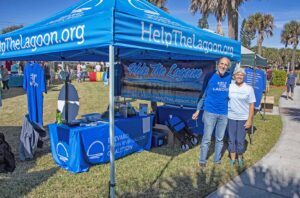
(138, 29)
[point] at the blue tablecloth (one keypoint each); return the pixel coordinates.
(163, 113)
(77, 148)
(15, 81)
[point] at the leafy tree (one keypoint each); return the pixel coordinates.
(220, 9)
(203, 23)
(233, 7)
(207, 7)
(262, 24)
(245, 36)
(290, 36)
(160, 4)
(11, 28)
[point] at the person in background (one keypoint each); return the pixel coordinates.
(15, 68)
(97, 67)
(5, 77)
(240, 115)
(79, 72)
(215, 106)
(269, 79)
(290, 84)
(83, 71)
(46, 68)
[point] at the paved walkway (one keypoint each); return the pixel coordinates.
(278, 173)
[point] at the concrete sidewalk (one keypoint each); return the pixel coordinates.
(278, 173)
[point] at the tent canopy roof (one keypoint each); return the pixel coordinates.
(136, 28)
(249, 58)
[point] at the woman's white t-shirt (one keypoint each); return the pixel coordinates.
(240, 97)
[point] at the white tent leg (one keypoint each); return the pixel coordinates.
(112, 120)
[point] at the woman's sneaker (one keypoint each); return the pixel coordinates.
(231, 162)
(241, 162)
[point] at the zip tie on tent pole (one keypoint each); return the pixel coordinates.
(109, 186)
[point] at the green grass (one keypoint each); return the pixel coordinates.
(161, 172)
(276, 92)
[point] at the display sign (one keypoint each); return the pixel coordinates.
(256, 78)
(178, 83)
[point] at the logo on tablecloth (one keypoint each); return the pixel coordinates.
(95, 150)
(62, 152)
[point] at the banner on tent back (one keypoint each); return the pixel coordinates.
(178, 83)
(257, 79)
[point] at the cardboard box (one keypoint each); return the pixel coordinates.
(267, 103)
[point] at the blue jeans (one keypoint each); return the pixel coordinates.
(237, 135)
(212, 121)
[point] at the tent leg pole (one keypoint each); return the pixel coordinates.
(111, 120)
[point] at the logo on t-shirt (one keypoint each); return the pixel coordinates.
(222, 86)
(33, 80)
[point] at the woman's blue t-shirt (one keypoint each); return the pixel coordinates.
(216, 99)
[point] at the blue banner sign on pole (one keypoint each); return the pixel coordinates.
(256, 78)
(177, 83)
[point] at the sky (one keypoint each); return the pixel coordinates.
(26, 12)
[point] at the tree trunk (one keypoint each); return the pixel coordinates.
(219, 28)
(259, 42)
(232, 23)
(294, 57)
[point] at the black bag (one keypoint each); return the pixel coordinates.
(7, 158)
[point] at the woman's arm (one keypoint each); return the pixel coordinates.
(250, 117)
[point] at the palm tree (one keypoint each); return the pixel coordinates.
(290, 36)
(203, 23)
(262, 24)
(207, 7)
(245, 36)
(11, 28)
(233, 7)
(220, 11)
(160, 4)
(220, 8)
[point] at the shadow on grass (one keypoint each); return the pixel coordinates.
(24, 178)
(261, 182)
(256, 183)
(183, 185)
(293, 113)
(12, 92)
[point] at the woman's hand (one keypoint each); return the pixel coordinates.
(195, 115)
(248, 124)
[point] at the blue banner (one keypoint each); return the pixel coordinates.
(178, 83)
(256, 78)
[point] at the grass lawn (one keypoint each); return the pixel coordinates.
(161, 172)
(276, 92)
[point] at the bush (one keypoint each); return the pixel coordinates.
(278, 77)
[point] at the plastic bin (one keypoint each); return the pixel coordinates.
(159, 139)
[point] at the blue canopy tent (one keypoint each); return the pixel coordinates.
(109, 30)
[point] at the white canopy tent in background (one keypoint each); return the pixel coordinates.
(102, 30)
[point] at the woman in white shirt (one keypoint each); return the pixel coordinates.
(240, 115)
